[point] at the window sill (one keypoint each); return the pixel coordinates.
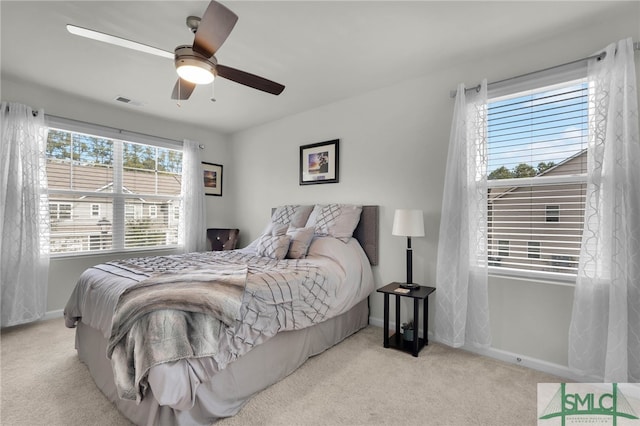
(123, 253)
(541, 277)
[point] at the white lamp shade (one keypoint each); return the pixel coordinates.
(408, 223)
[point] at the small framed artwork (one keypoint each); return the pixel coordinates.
(212, 179)
(319, 162)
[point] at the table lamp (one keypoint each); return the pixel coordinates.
(408, 223)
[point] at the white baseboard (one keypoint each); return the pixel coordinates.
(529, 362)
(59, 313)
(512, 358)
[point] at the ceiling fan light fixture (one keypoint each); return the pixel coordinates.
(196, 73)
(193, 67)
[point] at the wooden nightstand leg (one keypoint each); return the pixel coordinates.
(398, 336)
(386, 321)
(416, 327)
(425, 320)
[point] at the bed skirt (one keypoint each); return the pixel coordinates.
(231, 388)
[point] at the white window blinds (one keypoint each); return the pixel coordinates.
(110, 194)
(537, 163)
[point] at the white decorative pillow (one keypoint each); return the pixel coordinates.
(275, 247)
(335, 220)
(300, 241)
(275, 229)
(295, 215)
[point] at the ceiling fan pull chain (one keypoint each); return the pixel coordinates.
(178, 103)
(213, 92)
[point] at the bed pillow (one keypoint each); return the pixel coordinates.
(274, 247)
(335, 220)
(292, 214)
(300, 241)
(275, 229)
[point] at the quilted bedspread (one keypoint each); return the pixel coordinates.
(213, 304)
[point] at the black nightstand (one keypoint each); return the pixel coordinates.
(396, 341)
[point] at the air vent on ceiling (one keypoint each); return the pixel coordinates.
(128, 101)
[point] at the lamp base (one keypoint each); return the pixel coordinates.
(409, 286)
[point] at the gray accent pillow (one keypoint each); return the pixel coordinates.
(335, 220)
(292, 214)
(300, 241)
(274, 247)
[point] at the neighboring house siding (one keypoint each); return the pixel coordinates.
(82, 231)
(519, 215)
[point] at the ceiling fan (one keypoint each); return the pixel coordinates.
(195, 64)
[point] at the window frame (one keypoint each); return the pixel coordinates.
(117, 199)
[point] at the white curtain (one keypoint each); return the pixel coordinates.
(193, 230)
(604, 335)
(462, 307)
(24, 215)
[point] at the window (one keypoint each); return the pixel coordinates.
(111, 194)
(503, 248)
(533, 250)
(537, 159)
(552, 213)
(59, 211)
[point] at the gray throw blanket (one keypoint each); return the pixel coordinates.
(170, 316)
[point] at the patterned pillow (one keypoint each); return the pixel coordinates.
(300, 241)
(275, 247)
(295, 215)
(275, 229)
(335, 220)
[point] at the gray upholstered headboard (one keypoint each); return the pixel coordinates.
(366, 232)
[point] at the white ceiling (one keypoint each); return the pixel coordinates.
(321, 51)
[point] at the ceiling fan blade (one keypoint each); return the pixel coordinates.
(250, 80)
(214, 28)
(118, 41)
(183, 89)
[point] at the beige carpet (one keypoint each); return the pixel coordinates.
(356, 382)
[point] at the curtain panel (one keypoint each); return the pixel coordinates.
(604, 334)
(462, 306)
(24, 215)
(193, 214)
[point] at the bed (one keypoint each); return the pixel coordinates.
(188, 339)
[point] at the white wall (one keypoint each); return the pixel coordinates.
(64, 272)
(393, 153)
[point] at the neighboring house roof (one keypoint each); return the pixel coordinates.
(500, 192)
(110, 185)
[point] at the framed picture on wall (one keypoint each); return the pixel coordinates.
(212, 179)
(319, 162)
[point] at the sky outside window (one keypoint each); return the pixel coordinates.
(546, 127)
